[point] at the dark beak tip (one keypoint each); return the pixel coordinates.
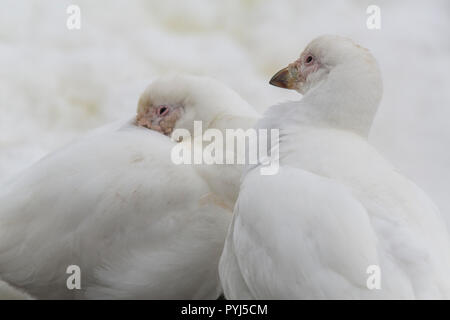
(280, 79)
(277, 83)
(272, 81)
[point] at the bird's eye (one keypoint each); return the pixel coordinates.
(162, 110)
(308, 59)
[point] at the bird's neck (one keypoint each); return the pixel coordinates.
(226, 121)
(224, 179)
(347, 99)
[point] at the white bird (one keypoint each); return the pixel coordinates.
(114, 204)
(337, 221)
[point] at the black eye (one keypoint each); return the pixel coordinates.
(309, 59)
(162, 110)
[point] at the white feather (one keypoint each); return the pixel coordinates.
(114, 203)
(336, 206)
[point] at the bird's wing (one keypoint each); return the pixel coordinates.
(233, 284)
(295, 232)
(177, 260)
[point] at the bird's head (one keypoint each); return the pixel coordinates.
(159, 109)
(176, 101)
(322, 56)
(340, 81)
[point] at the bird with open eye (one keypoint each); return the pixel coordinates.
(114, 204)
(337, 210)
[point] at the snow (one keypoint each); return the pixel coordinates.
(56, 84)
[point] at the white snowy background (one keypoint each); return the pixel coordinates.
(56, 84)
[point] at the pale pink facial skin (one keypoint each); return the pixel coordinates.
(161, 118)
(302, 67)
(295, 75)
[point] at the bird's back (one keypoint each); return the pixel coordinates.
(108, 203)
(406, 221)
(335, 208)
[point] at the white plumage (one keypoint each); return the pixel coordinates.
(336, 207)
(114, 204)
